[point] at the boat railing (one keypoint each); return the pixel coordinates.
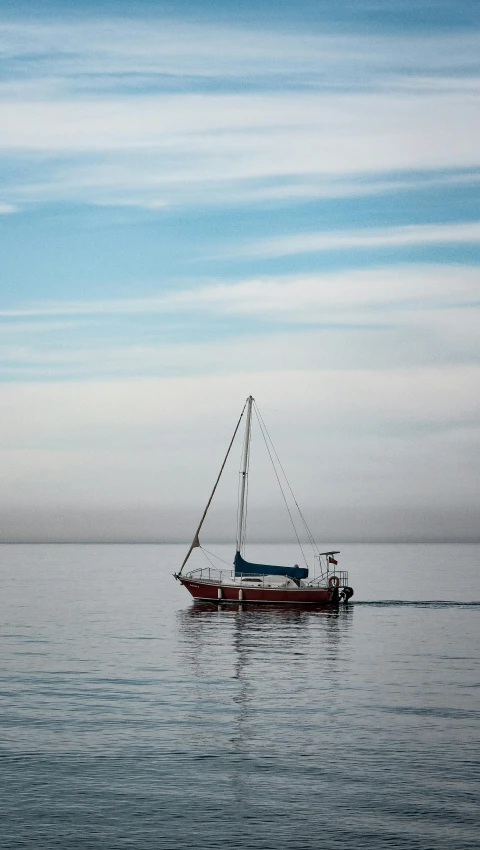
(218, 576)
(210, 574)
(324, 579)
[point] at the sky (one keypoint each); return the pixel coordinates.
(203, 201)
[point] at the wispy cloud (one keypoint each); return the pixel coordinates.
(133, 53)
(307, 298)
(120, 115)
(408, 235)
(182, 148)
(397, 317)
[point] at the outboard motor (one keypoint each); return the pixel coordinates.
(347, 593)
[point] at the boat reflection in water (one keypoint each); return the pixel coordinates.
(266, 686)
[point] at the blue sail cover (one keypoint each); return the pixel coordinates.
(245, 568)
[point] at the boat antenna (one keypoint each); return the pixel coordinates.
(244, 476)
(196, 541)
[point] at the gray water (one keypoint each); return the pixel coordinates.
(132, 718)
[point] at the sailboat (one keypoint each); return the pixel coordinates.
(264, 583)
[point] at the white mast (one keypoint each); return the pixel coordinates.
(243, 474)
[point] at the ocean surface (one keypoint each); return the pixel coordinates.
(132, 718)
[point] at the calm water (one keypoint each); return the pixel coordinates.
(131, 718)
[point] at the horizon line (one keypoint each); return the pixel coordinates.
(356, 542)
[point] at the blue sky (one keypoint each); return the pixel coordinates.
(269, 197)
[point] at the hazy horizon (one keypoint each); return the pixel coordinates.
(453, 527)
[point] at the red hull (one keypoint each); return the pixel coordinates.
(208, 591)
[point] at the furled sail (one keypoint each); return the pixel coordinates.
(243, 567)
